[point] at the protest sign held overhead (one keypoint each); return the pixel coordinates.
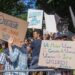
(35, 18)
(57, 54)
(12, 27)
(50, 23)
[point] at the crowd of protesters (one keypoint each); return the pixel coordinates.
(26, 56)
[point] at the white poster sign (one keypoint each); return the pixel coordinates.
(50, 23)
(57, 54)
(35, 18)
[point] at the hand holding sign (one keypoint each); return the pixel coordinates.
(11, 41)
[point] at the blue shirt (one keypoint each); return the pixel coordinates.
(35, 45)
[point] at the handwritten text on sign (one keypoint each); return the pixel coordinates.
(58, 54)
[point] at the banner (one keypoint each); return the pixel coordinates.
(35, 18)
(12, 27)
(57, 54)
(50, 23)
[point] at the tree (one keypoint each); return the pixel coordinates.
(11, 6)
(60, 7)
(20, 7)
(23, 16)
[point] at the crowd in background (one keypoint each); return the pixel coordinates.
(26, 56)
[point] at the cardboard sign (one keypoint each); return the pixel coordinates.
(35, 18)
(50, 23)
(57, 54)
(12, 27)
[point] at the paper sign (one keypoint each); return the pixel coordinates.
(57, 54)
(12, 27)
(35, 18)
(50, 23)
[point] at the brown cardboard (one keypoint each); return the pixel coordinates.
(12, 27)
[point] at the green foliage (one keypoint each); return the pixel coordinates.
(1, 50)
(12, 7)
(61, 7)
(23, 16)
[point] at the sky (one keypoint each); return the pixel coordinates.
(30, 3)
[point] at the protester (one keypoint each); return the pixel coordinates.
(18, 58)
(35, 47)
(46, 37)
(7, 64)
(57, 36)
(2, 59)
(27, 54)
(27, 44)
(73, 38)
(64, 37)
(53, 36)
